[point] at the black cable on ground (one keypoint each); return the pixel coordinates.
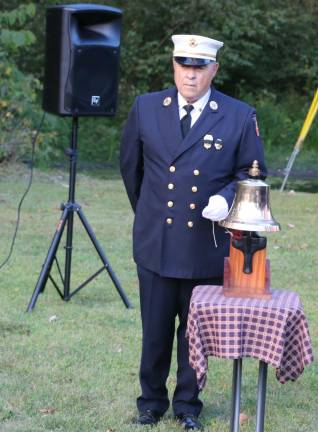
(25, 193)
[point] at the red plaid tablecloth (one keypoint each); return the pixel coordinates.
(275, 331)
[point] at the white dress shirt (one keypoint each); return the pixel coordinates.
(198, 106)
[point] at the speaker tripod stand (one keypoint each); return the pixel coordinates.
(67, 218)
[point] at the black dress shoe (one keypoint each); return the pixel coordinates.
(148, 417)
(189, 422)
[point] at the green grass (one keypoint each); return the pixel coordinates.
(80, 372)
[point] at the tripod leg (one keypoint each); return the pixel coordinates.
(48, 260)
(68, 254)
(102, 256)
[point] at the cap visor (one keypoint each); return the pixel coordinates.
(191, 61)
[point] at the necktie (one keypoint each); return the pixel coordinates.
(186, 120)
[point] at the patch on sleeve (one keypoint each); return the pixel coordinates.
(256, 124)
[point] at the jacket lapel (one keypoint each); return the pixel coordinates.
(207, 120)
(169, 122)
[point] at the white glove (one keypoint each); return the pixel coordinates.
(217, 208)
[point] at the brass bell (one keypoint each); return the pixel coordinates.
(250, 210)
(247, 270)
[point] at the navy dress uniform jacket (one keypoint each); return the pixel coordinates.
(169, 179)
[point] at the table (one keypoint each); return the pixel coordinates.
(273, 331)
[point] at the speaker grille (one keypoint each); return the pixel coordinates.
(91, 84)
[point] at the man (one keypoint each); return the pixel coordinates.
(182, 152)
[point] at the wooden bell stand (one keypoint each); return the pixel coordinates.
(237, 283)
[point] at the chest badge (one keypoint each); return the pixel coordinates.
(207, 141)
(208, 137)
(218, 144)
(167, 101)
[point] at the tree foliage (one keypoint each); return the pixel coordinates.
(269, 58)
(12, 40)
(17, 89)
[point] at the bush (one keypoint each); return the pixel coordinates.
(17, 95)
(281, 120)
(17, 90)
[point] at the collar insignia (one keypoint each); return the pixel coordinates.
(214, 105)
(167, 101)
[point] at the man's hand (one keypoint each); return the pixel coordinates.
(217, 208)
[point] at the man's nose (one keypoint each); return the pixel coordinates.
(190, 72)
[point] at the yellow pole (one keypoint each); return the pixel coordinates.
(301, 138)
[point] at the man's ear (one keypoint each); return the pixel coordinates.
(216, 68)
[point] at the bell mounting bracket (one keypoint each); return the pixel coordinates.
(249, 243)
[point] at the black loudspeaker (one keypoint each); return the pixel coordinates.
(82, 60)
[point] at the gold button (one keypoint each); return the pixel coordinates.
(192, 206)
(194, 189)
(172, 168)
(169, 221)
(170, 186)
(190, 224)
(196, 172)
(170, 203)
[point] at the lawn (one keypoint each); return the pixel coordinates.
(73, 366)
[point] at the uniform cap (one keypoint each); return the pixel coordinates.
(193, 50)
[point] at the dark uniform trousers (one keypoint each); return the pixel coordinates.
(162, 299)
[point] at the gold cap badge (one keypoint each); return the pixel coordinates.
(213, 105)
(192, 42)
(167, 101)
